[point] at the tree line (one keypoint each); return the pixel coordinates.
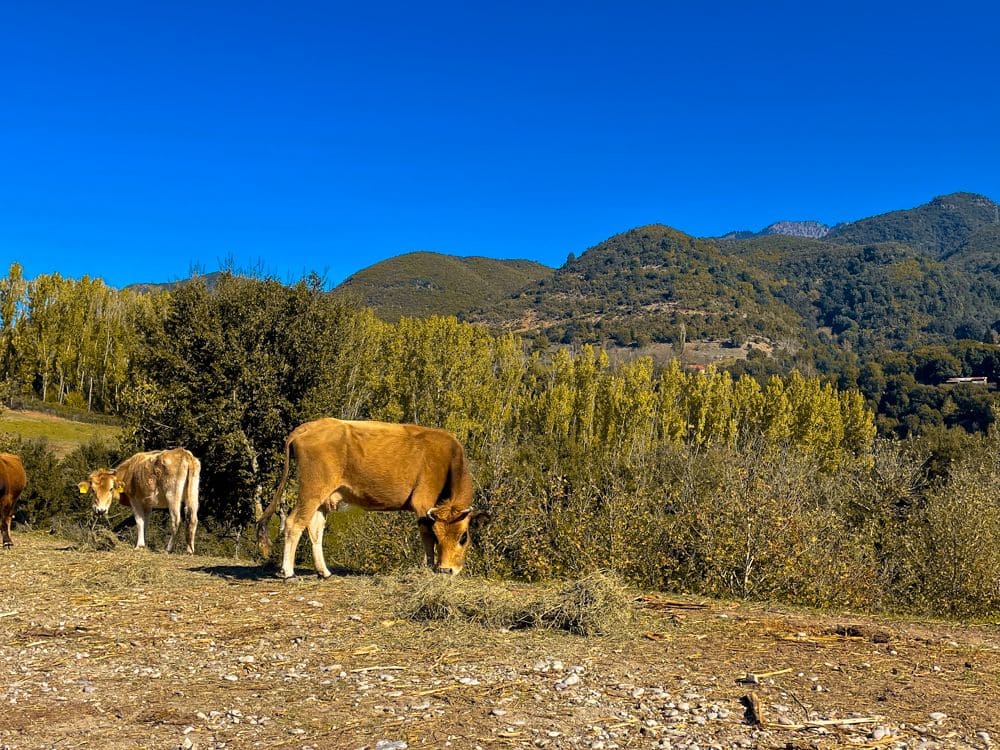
(774, 486)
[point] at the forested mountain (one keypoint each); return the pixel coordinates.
(900, 280)
(938, 228)
(424, 283)
(647, 284)
(887, 294)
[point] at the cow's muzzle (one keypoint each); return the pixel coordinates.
(100, 511)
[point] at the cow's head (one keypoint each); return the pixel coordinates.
(449, 531)
(107, 489)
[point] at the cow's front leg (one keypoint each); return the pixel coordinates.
(5, 524)
(430, 542)
(140, 514)
(317, 525)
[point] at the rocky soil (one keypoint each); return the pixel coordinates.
(144, 650)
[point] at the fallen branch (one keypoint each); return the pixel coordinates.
(376, 669)
(657, 603)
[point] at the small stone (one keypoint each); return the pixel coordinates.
(498, 712)
(568, 681)
(638, 692)
(880, 733)
(937, 716)
(230, 677)
(390, 745)
(985, 737)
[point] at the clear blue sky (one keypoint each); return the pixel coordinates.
(141, 139)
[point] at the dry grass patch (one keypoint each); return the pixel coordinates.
(84, 537)
(597, 604)
(125, 571)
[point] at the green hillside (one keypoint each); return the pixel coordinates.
(867, 296)
(938, 228)
(647, 285)
(425, 283)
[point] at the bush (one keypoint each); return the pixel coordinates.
(955, 554)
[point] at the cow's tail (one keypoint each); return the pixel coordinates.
(263, 537)
(190, 503)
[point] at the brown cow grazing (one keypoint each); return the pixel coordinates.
(12, 481)
(154, 479)
(376, 466)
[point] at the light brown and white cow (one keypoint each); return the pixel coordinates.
(377, 466)
(153, 479)
(12, 482)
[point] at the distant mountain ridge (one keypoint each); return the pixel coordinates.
(810, 229)
(899, 279)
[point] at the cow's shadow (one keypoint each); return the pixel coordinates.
(268, 572)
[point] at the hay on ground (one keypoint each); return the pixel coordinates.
(128, 570)
(597, 604)
(84, 537)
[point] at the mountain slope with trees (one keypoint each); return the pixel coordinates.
(937, 228)
(424, 283)
(647, 284)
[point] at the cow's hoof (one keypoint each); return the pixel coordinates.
(289, 579)
(8, 545)
(323, 576)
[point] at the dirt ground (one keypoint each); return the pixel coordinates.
(128, 649)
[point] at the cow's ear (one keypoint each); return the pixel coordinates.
(480, 518)
(462, 516)
(84, 487)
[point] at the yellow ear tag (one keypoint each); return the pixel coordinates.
(119, 487)
(84, 487)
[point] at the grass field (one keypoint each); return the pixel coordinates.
(64, 435)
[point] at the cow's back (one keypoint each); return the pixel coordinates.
(148, 474)
(379, 463)
(12, 476)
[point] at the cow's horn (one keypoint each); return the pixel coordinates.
(432, 514)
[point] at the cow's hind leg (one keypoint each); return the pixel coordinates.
(175, 522)
(317, 525)
(192, 526)
(293, 533)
